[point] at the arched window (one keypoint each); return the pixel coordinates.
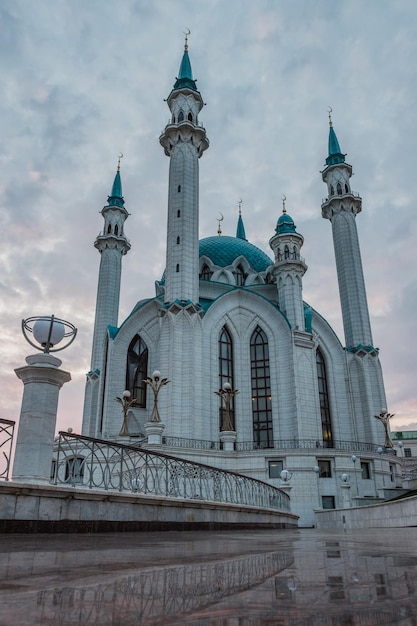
(177, 268)
(339, 189)
(178, 240)
(239, 276)
(190, 117)
(326, 422)
(180, 117)
(137, 370)
(225, 369)
(116, 230)
(178, 213)
(279, 255)
(179, 189)
(346, 188)
(109, 229)
(286, 252)
(331, 190)
(261, 390)
(294, 253)
(206, 274)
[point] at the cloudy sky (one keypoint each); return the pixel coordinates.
(83, 81)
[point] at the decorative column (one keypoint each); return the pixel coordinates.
(35, 438)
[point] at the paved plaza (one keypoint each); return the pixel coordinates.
(274, 578)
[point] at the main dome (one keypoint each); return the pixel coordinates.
(223, 250)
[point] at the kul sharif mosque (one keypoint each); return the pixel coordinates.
(226, 313)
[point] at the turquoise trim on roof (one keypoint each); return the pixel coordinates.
(116, 198)
(240, 230)
(335, 154)
(185, 76)
(224, 250)
(112, 331)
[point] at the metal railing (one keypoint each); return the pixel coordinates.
(6, 442)
(98, 464)
(277, 444)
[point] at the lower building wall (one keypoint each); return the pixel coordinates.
(30, 508)
(396, 514)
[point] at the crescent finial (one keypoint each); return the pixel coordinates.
(240, 202)
(220, 219)
(187, 34)
(329, 110)
(118, 163)
(284, 197)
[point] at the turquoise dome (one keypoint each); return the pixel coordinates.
(285, 224)
(224, 250)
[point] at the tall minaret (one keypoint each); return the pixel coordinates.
(289, 269)
(112, 245)
(184, 141)
(341, 208)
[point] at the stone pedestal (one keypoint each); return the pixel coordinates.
(154, 432)
(346, 496)
(35, 438)
(285, 487)
(228, 438)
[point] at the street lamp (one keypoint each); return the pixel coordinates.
(227, 394)
(384, 417)
(155, 382)
(126, 401)
(48, 331)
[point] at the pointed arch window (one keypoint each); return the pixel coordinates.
(339, 189)
(116, 230)
(331, 190)
(261, 390)
(346, 188)
(137, 370)
(286, 252)
(206, 273)
(294, 253)
(225, 370)
(240, 276)
(326, 422)
(190, 117)
(109, 229)
(180, 117)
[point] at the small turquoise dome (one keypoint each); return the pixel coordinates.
(285, 224)
(224, 250)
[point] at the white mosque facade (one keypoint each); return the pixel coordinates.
(226, 312)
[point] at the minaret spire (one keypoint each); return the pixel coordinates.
(112, 245)
(184, 141)
(341, 208)
(240, 230)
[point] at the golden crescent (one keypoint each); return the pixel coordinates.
(220, 219)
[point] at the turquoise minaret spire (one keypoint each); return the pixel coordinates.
(184, 141)
(112, 245)
(341, 208)
(240, 230)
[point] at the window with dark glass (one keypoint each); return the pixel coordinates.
(407, 452)
(325, 466)
(328, 502)
(137, 370)
(180, 116)
(261, 390)
(366, 470)
(275, 468)
(225, 370)
(240, 276)
(326, 422)
(286, 252)
(74, 470)
(206, 273)
(339, 189)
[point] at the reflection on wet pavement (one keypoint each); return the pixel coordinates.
(271, 578)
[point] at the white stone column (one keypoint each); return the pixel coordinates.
(154, 432)
(35, 438)
(228, 439)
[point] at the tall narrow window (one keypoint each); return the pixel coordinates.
(137, 369)
(286, 252)
(225, 369)
(261, 390)
(339, 189)
(116, 230)
(180, 117)
(239, 276)
(190, 117)
(326, 422)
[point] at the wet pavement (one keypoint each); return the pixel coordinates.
(242, 578)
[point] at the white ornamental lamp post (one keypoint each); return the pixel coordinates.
(285, 477)
(154, 427)
(227, 431)
(42, 380)
(345, 478)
